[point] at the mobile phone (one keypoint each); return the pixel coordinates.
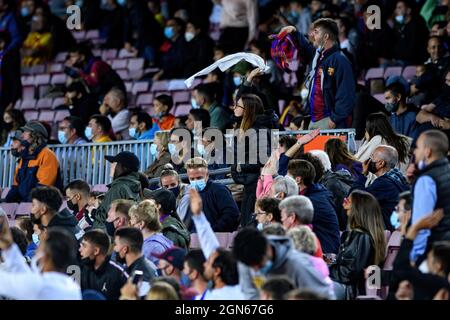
(137, 276)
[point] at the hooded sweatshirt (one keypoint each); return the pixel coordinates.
(66, 220)
(298, 266)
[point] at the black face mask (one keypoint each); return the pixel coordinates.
(372, 167)
(110, 230)
(116, 257)
(88, 262)
(15, 153)
(73, 207)
(35, 220)
(175, 191)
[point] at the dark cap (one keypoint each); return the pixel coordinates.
(17, 135)
(126, 159)
(36, 127)
(163, 197)
(175, 256)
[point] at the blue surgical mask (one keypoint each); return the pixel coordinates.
(168, 32)
(199, 185)
(122, 2)
(237, 81)
(88, 133)
(62, 137)
(267, 267)
(24, 11)
(400, 19)
(153, 149)
(185, 281)
(132, 132)
(201, 149)
(172, 148)
(394, 220)
(35, 238)
(194, 104)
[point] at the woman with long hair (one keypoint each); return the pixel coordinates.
(13, 119)
(380, 132)
(363, 245)
(341, 158)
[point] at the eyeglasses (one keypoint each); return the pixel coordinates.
(237, 106)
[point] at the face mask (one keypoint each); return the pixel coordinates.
(201, 149)
(122, 2)
(88, 262)
(199, 185)
(400, 19)
(168, 32)
(422, 165)
(34, 263)
(237, 81)
(15, 153)
(35, 239)
(172, 148)
(304, 93)
(175, 191)
(194, 104)
(25, 143)
(62, 137)
(88, 133)
(185, 281)
(35, 220)
(132, 132)
(394, 220)
(391, 107)
(260, 226)
(153, 149)
(372, 167)
(266, 268)
(24, 12)
(189, 36)
(73, 207)
(110, 229)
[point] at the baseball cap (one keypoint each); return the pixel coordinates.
(175, 256)
(163, 197)
(127, 159)
(17, 135)
(35, 126)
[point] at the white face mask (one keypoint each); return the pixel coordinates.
(189, 36)
(35, 238)
(260, 226)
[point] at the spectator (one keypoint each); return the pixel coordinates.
(439, 60)
(330, 109)
(142, 127)
(112, 25)
(194, 269)
(13, 120)
(24, 223)
(162, 291)
(276, 287)
(199, 48)
(272, 256)
(37, 47)
(163, 104)
(171, 263)
(11, 83)
(99, 273)
(267, 212)
(389, 182)
(71, 131)
(218, 204)
(170, 180)
(430, 190)
(77, 197)
(300, 15)
(205, 96)
(283, 187)
(341, 158)
(325, 221)
(96, 73)
(125, 183)
(145, 217)
(238, 24)
(401, 217)
(118, 215)
(114, 106)
(172, 226)
(9, 23)
(160, 151)
(362, 246)
(58, 253)
(79, 102)
(403, 117)
(38, 165)
(212, 147)
(128, 251)
(198, 120)
(98, 129)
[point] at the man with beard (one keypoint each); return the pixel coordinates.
(77, 196)
(38, 165)
(99, 272)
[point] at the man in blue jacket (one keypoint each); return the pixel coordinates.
(325, 222)
(330, 81)
(219, 206)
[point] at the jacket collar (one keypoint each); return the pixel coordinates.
(434, 164)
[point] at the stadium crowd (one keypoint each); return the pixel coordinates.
(308, 222)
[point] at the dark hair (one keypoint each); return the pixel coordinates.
(201, 115)
(77, 124)
(170, 281)
(250, 246)
(195, 260)
(207, 91)
(441, 252)
(397, 89)
(78, 87)
(103, 122)
(50, 196)
(262, 45)
(83, 48)
(304, 294)
(132, 236)
(165, 100)
(378, 124)
(253, 106)
(180, 23)
(338, 153)
(228, 267)
(99, 239)
(287, 141)
(317, 164)
(144, 117)
(79, 185)
(270, 205)
(277, 286)
(408, 199)
(298, 121)
(274, 229)
(19, 238)
(25, 224)
(303, 169)
(437, 141)
(61, 246)
(17, 117)
(329, 26)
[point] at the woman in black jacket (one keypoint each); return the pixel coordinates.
(362, 245)
(250, 142)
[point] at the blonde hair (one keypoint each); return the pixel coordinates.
(164, 138)
(162, 291)
(304, 239)
(147, 212)
(196, 163)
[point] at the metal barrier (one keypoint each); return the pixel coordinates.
(83, 161)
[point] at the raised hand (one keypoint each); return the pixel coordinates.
(196, 202)
(308, 137)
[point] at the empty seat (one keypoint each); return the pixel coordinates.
(28, 104)
(119, 64)
(28, 92)
(160, 85)
(59, 78)
(135, 74)
(392, 71)
(181, 97)
(374, 73)
(176, 84)
(380, 97)
(128, 86)
(140, 86)
(47, 116)
(61, 57)
(56, 68)
(28, 80)
(92, 34)
(10, 208)
(31, 115)
(124, 74)
(136, 64)
(123, 53)
(409, 72)
(45, 103)
(109, 54)
(79, 35)
(37, 69)
(60, 115)
(145, 98)
(182, 109)
(24, 209)
(57, 102)
(100, 188)
(97, 52)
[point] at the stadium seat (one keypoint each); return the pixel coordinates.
(92, 34)
(135, 74)
(136, 64)
(28, 80)
(37, 69)
(160, 86)
(409, 72)
(380, 97)
(100, 188)
(61, 57)
(118, 64)
(47, 116)
(109, 54)
(145, 98)
(182, 109)
(123, 53)
(56, 68)
(392, 71)
(79, 35)
(28, 93)
(57, 102)
(10, 208)
(24, 209)
(31, 115)
(181, 97)
(374, 73)
(177, 85)
(60, 115)
(124, 74)
(140, 86)
(128, 86)
(29, 104)
(45, 103)
(59, 78)
(42, 79)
